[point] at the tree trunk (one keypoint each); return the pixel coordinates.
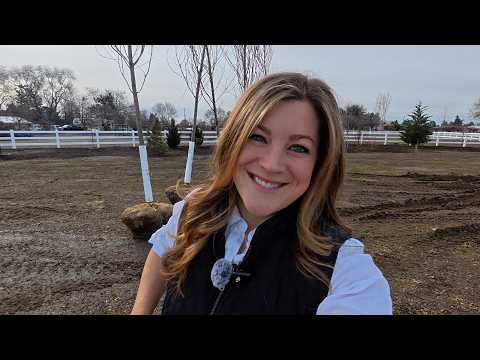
(244, 67)
(197, 92)
(135, 96)
(210, 75)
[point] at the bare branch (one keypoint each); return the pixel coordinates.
(142, 49)
(122, 72)
(119, 52)
(148, 69)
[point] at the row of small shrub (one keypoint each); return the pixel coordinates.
(156, 144)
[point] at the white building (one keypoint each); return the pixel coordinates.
(16, 122)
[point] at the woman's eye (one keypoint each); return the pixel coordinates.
(257, 137)
(300, 149)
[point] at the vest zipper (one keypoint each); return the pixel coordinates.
(219, 296)
(236, 267)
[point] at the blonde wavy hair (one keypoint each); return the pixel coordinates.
(208, 207)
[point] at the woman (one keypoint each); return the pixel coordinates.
(263, 236)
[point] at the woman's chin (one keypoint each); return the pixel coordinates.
(259, 211)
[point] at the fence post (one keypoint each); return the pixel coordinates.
(386, 139)
(12, 138)
(436, 142)
(464, 141)
(133, 138)
(361, 137)
(98, 138)
(57, 138)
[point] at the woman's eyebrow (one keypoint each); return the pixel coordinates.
(292, 137)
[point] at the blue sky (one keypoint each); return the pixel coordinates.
(444, 78)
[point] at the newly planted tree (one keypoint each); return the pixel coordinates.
(218, 85)
(132, 58)
(191, 61)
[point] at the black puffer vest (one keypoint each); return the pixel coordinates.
(274, 284)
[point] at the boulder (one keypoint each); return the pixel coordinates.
(173, 196)
(146, 218)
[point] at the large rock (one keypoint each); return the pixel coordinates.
(173, 196)
(146, 218)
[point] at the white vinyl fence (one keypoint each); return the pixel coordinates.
(14, 139)
(393, 137)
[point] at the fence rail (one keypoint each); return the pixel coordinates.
(14, 139)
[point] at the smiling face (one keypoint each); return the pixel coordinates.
(276, 163)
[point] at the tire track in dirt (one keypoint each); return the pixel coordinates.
(19, 212)
(458, 233)
(438, 201)
(467, 195)
(56, 278)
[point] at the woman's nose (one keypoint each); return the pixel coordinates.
(272, 159)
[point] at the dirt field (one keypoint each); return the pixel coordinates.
(65, 251)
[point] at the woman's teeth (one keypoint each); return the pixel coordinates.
(265, 184)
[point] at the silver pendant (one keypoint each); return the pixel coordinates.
(221, 273)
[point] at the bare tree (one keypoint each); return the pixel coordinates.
(216, 121)
(249, 63)
(131, 58)
(475, 111)
(165, 111)
(264, 58)
(28, 82)
(190, 61)
(218, 85)
(5, 86)
(445, 116)
(57, 89)
(70, 108)
(383, 103)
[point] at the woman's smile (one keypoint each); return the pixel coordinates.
(265, 184)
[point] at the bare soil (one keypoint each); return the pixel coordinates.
(65, 251)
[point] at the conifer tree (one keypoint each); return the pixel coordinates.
(418, 128)
(173, 137)
(198, 136)
(156, 144)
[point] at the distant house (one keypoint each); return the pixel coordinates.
(15, 123)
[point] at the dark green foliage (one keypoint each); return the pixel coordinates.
(198, 136)
(173, 137)
(356, 117)
(156, 145)
(396, 126)
(458, 121)
(418, 129)
(106, 126)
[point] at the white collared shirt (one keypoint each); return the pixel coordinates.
(357, 286)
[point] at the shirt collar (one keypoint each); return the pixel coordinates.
(236, 219)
